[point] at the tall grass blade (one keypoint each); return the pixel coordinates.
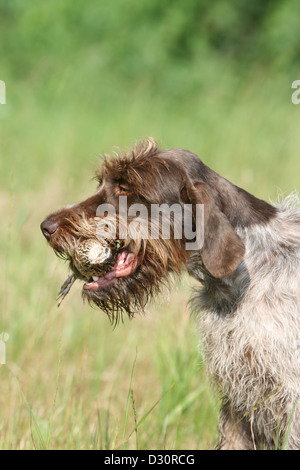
(128, 401)
(289, 426)
(38, 433)
(147, 414)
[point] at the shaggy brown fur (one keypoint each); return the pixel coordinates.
(248, 267)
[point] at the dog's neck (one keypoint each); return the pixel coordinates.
(219, 295)
(270, 247)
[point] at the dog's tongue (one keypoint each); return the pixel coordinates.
(126, 263)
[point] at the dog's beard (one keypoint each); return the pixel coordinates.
(117, 288)
(128, 294)
(131, 294)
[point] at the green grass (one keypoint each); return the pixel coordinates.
(72, 381)
(69, 378)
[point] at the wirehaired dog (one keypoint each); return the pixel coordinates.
(247, 264)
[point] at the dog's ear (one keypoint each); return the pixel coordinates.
(222, 250)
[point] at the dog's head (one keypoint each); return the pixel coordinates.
(151, 210)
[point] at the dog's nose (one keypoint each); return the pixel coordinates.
(48, 227)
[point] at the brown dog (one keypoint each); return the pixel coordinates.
(245, 253)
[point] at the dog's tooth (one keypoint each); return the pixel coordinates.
(130, 257)
(95, 278)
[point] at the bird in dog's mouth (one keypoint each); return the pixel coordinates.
(95, 262)
(125, 264)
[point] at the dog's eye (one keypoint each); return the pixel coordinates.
(123, 190)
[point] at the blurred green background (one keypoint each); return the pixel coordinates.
(82, 77)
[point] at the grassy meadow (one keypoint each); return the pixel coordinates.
(82, 78)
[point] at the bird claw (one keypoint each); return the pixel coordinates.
(65, 288)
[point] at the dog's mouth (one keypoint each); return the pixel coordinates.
(100, 264)
(126, 263)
